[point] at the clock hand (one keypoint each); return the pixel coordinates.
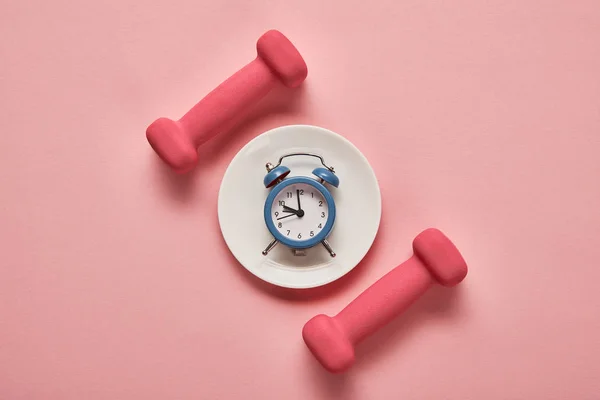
(289, 209)
(287, 216)
(298, 196)
(299, 213)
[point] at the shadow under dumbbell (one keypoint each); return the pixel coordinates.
(329, 386)
(178, 187)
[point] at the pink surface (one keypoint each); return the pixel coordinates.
(479, 118)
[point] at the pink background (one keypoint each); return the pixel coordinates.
(481, 118)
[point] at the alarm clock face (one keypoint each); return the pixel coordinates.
(300, 212)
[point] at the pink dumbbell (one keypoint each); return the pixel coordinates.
(176, 142)
(435, 259)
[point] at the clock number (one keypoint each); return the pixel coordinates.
(301, 192)
(312, 195)
(281, 203)
(288, 234)
(280, 225)
(312, 233)
(320, 226)
(323, 214)
(289, 195)
(320, 203)
(277, 213)
(299, 236)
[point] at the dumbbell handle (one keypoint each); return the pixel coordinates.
(385, 299)
(222, 107)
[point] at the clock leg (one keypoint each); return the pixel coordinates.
(270, 247)
(328, 247)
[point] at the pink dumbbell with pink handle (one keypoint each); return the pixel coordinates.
(176, 142)
(435, 260)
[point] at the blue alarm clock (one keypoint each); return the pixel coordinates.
(300, 211)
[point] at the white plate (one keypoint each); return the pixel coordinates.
(242, 197)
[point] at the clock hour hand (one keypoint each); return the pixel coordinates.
(299, 213)
(289, 209)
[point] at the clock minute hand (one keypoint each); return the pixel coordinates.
(299, 213)
(287, 216)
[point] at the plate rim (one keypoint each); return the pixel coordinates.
(325, 131)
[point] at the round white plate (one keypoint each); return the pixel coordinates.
(242, 197)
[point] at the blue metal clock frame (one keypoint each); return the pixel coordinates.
(300, 244)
